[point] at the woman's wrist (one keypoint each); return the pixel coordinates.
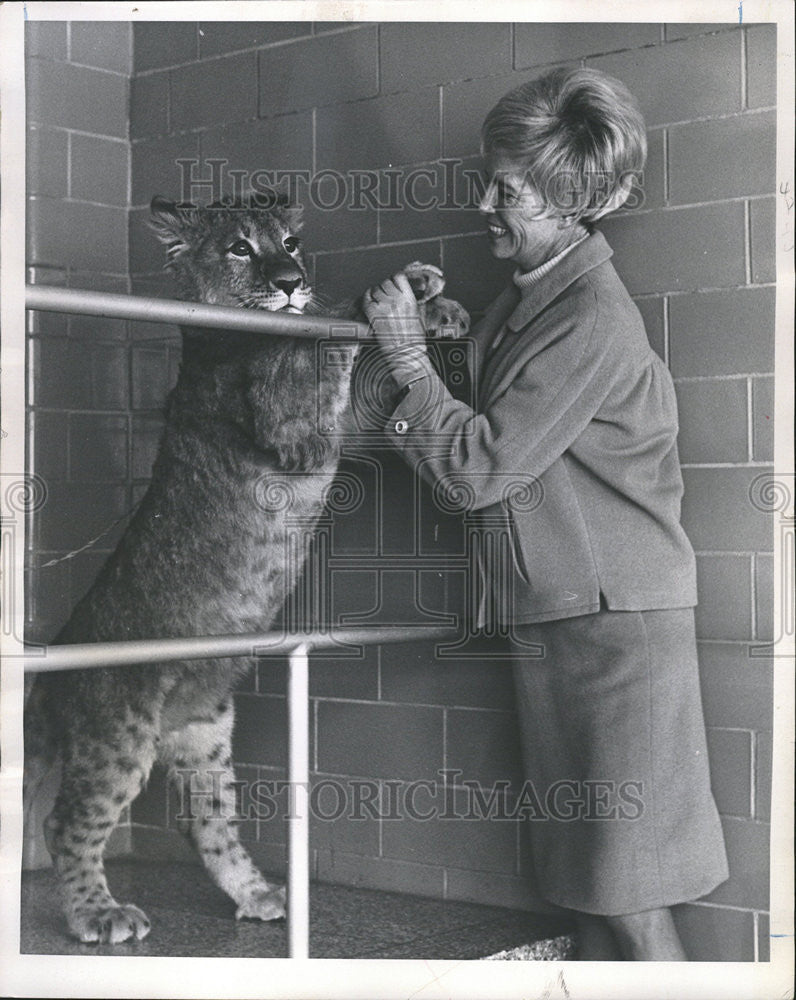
(408, 363)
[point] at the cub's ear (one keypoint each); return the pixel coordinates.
(295, 217)
(171, 223)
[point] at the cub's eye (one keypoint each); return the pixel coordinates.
(241, 249)
(291, 243)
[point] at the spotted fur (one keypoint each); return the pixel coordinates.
(202, 555)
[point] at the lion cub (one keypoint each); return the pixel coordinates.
(202, 555)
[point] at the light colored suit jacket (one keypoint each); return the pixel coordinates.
(568, 466)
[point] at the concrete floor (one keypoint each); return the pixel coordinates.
(190, 917)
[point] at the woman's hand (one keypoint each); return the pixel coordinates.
(394, 318)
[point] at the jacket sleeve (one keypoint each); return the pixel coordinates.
(556, 390)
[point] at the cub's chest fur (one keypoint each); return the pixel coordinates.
(247, 449)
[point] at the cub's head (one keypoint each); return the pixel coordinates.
(235, 255)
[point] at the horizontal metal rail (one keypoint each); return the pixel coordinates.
(83, 656)
(101, 654)
(78, 302)
(42, 659)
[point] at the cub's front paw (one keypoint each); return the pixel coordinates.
(109, 924)
(445, 319)
(427, 281)
(263, 903)
(305, 455)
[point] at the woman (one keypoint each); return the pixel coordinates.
(575, 410)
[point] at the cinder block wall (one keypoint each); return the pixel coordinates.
(78, 161)
(79, 400)
(698, 257)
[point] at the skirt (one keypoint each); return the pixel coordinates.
(615, 756)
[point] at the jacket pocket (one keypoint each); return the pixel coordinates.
(516, 548)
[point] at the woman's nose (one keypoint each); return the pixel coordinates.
(486, 206)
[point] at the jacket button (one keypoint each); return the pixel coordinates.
(401, 427)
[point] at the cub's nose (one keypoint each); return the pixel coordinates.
(288, 287)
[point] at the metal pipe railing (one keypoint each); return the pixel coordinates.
(42, 659)
(298, 828)
(102, 654)
(78, 302)
(84, 656)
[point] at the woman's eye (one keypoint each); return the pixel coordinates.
(503, 195)
(240, 249)
(291, 243)
(506, 196)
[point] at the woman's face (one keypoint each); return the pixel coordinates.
(516, 227)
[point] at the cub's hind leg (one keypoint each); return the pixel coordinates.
(102, 773)
(199, 761)
(40, 753)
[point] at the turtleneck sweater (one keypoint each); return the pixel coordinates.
(529, 278)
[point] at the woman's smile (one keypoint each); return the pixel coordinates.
(495, 229)
(518, 227)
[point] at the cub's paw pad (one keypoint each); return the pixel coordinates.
(445, 319)
(263, 904)
(427, 281)
(110, 924)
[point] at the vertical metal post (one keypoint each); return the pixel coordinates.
(298, 879)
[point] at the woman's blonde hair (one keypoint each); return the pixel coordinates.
(578, 134)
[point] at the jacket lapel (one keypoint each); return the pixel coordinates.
(486, 328)
(579, 261)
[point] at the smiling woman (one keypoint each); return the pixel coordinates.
(561, 152)
(377, 129)
(598, 600)
(518, 226)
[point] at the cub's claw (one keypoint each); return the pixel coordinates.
(304, 455)
(110, 925)
(442, 318)
(427, 281)
(445, 319)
